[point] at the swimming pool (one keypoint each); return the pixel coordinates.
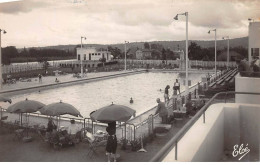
(144, 88)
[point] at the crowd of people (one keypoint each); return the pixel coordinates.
(190, 108)
(59, 137)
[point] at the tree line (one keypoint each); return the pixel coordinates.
(158, 52)
(12, 54)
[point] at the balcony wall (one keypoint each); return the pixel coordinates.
(247, 84)
(226, 125)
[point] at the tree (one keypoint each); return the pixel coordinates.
(156, 54)
(163, 54)
(115, 52)
(8, 53)
(240, 50)
(156, 46)
(146, 45)
(195, 52)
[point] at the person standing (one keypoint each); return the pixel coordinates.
(161, 109)
(40, 78)
(177, 86)
(166, 94)
(111, 141)
(208, 79)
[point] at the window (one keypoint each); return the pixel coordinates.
(98, 53)
(84, 56)
(78, 56)
(90, 54)
(95, 53)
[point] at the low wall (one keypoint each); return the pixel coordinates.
(203, 142)
(247, 84)
(226, 125)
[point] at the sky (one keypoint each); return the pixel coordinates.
(36, 23)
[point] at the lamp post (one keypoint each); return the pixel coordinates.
(251, 20)
(227, 37)
(125, 54)
(81, 63)
(186, 70)
(215, 50)
(1, 58)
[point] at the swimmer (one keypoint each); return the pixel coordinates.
(131, 101)
(57, 81)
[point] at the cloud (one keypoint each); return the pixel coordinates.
(55, 22)
(21, 6)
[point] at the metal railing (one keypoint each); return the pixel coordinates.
(174, 141)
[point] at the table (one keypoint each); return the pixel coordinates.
(100, 137)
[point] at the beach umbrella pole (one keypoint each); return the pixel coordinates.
(21, 119)
(1, 116)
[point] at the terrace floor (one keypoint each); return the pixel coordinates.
(13, 150)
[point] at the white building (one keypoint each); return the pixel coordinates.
(91, 54)
(253, 40)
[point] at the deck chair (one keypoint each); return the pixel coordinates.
(93, 144)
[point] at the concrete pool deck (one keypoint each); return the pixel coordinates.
(65, 80)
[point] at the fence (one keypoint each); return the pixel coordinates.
(192, 63)
(7, 69)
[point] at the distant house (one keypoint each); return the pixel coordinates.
(92, 54)
(143, 54)
(232, 56)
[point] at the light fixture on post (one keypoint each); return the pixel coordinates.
(186, 67)
(81, 63)
(125, 54)
(4, 32)
(215, 50)
(227, 37)
(250, 19)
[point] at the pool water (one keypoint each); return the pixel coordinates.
(144, 88)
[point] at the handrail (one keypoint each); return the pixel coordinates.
(173, 142)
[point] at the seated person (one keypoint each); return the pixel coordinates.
(51, 126)
(55, 138)
(189, 107)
